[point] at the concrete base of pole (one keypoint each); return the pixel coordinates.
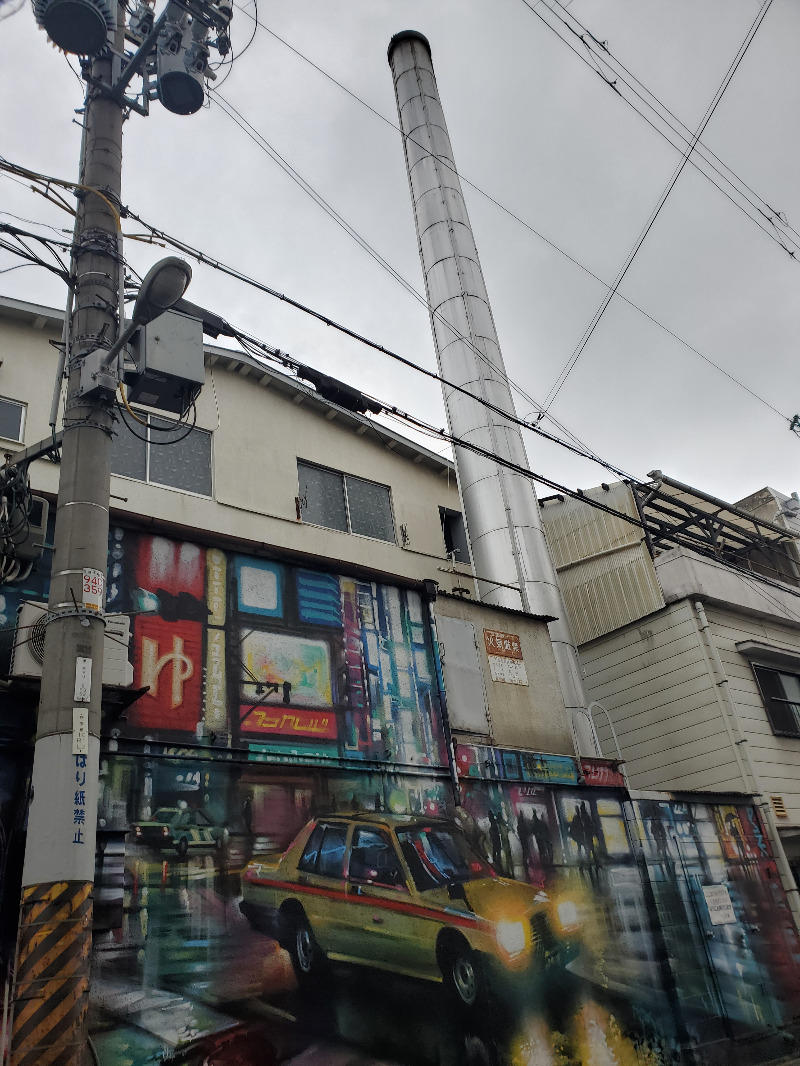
(52, 986)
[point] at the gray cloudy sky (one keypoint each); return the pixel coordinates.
(535, 128)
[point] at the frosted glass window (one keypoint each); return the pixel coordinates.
(180, 460)
(344, 502)
(156, 453)
(129, 453)
(370, 509)
(322, 497)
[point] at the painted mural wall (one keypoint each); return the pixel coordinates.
(284, 874)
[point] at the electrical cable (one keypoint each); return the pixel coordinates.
(448, 164)
(265, 146)
(232, 272)
(201, 257)
(573, 359)
(148, 439)
(672, 122)
(263, 350)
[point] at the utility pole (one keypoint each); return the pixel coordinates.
(54, 941)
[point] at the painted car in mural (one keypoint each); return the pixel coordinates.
(183, 828)
(405, 894)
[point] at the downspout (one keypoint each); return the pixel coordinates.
(430, 596)
(741, 745)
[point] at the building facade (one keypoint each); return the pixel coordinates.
(337, 810)
(691, 643)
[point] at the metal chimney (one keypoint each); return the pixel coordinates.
(500, 507)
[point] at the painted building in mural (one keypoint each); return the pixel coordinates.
(333, 821)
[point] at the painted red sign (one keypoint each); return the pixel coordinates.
(499, 643)
(601, 772)
(168, 659)
(289, 723)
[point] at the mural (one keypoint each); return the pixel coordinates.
(285, 874)
(273, 913)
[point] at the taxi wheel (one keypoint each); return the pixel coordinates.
(306, 954)
(182, 847)
(462, 972)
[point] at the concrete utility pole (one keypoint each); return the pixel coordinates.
(54, 942)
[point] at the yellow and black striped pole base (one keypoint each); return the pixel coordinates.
(51, 995)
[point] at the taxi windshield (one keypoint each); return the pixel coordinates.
(440, 855)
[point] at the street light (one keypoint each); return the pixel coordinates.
(164, 284)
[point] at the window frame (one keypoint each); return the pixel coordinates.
(148, 445)
(767, 701)
(343, 475)
(23, 417)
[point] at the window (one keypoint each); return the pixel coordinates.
(324, 852)
(455, 535)
(373, 859)
(12, 419)
(160, 455)
(781, 695)
(344, 502)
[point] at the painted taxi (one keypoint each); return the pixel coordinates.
(183, 828)
(406, 894)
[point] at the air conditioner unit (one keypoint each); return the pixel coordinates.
(28, 651)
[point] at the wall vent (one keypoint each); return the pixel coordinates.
(779, 806)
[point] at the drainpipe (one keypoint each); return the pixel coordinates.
(429, 595)
(741, 745)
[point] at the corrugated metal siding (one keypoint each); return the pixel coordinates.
(607, 577)
(655, 682)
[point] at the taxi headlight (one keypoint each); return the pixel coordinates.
(511, 937)
(568, 914)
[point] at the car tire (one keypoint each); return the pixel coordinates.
(182, 847)
(463, 974)
(306, 954)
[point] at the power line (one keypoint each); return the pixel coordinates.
(253, 346)
(596, 52)
(265, 146)
(201, 257)
(531, 229)
(701, 148)
(573, 359)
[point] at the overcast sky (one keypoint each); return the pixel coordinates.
(540, 132)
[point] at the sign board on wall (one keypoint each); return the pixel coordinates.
(601, 772)
(718, 901)
(505, 657)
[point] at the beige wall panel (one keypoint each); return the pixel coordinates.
(654, 637)
(526, 716)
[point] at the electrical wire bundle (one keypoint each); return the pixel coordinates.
(15, 509)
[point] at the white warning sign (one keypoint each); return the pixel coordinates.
(718, 901)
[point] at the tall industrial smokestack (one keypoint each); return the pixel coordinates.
(500, 507)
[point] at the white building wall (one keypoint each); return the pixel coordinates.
(261, 423)
(655, 680)
(777, 759)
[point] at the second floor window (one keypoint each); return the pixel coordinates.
(12, 419)
(781, 695)
(344, 502)
(162, 455)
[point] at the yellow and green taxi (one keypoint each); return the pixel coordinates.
(183, 828)
(404, 894)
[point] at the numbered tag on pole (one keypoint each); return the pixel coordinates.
(94, 588)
